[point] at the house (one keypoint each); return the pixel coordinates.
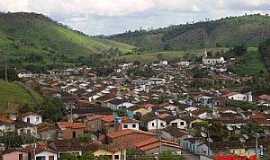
(47, 131)
(155, 146)
(156, 123)
(144, 142)
(32, 118)
(45, 154)
(206, 101)
(192, 144)
(94, 123)
(247, 97)
(174, 134)
(63, 147)
(178, 123)
(111, 151)
(15, 154)
(6, 125)
(130, 124)
(70, 130)
(24, 128)
(115, 103)
(152, 121)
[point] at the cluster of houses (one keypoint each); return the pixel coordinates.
(119, 113)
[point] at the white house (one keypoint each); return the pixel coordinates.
(179, 123)
(26, 128)
(239, 96)
(45, 155)
(156, 124)
(184, 63)
(130, 124)
(32, 118)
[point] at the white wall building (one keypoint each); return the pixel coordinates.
(32, 118)
(179, 123)
(45, 155)
(156, 124)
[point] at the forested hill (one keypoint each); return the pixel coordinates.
(226, 32)
(29, 38)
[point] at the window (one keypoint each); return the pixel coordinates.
(182, 123)
(116, 157)
(125, 126)
(20, 156)
(28, 120)
(153, 124)
(134, 125)
(37, 118)
(162, 125)
(73, 134)
(40, 158)
(51, 157)
(174, 124)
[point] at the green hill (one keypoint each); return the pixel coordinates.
(226, 32)
(14, 95)
(29, 38)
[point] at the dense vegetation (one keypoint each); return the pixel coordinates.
(34, 41)
(264, 49)
(226, 32)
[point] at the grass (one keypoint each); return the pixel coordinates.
(26, 34)
(250, 64)
(13, 95)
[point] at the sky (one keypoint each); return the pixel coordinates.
(96, 17)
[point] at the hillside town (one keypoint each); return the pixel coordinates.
(184, 109)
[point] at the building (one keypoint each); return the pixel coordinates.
(32, 118)
(70, 130)
(15, 154)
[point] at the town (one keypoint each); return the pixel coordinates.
(182, 109)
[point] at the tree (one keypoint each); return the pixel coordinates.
(52, 109)
(86, 156)
(239, 50)
(13, 140)
(168, 155)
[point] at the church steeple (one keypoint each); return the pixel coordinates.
(205, 53)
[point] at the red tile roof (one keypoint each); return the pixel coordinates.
(70, 125)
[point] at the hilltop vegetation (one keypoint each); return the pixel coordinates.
(226, 32)
(33, 40)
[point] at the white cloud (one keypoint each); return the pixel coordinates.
(114, 16)
(125, 7)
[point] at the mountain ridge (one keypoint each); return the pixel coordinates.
(225, 32)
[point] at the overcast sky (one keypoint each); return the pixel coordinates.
(96, 17)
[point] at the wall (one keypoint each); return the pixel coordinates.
(157, 124)
(14, 156)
